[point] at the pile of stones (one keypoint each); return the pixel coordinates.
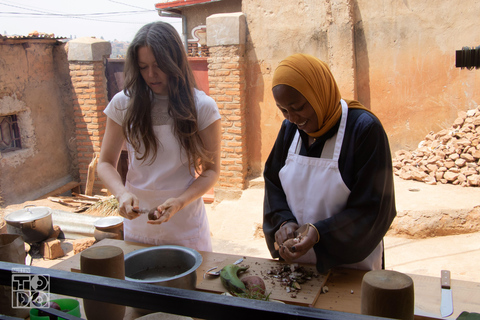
(449, 156)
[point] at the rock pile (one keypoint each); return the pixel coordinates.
(449, 156)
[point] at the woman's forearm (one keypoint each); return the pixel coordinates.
(111, 178)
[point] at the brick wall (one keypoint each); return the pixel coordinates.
(89, 101)
(226, 76)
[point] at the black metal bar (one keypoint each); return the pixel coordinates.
(459, 59)
(170, 300)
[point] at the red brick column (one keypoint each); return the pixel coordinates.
(87, 71)
(226, 35)
(226, 77)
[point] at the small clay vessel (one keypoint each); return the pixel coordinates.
(12, 249)
(105, 261)
(389, 294)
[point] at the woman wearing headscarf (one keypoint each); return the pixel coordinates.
(329, 171)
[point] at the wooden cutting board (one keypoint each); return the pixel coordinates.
(307, 296)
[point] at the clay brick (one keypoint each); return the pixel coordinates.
(232, 92)
(231, 66)
(81, 244)
(221, 73)
(224, 85)
(55, 233)
(223, 98)
(82, 84)
(235, 131)
(51, 249)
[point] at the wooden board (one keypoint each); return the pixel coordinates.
(344, 285)
(307, 296)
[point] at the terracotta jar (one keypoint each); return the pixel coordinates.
(389, 294)
(12, 249)
(105, 261)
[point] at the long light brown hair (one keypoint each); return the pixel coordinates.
(171, 58)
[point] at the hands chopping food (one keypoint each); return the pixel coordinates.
(157, 215)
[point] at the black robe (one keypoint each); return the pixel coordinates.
(365, 165)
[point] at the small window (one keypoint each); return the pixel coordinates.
(9, 134)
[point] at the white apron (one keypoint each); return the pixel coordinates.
(315, 189)
(154, 183)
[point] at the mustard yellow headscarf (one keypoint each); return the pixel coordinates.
(313, 79)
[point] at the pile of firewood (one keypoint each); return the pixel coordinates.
(89, 203)
(449, 156)
(95, 205)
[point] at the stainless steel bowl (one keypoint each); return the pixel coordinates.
(168, 266)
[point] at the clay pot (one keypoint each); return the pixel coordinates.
(3, 226)
(389, 294)
(12, 249)
(105, 261)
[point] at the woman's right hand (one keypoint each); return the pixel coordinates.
(287, 231)
(126, 203)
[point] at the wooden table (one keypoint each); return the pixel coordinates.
(344, 286)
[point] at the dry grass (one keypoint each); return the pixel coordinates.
(104, 207)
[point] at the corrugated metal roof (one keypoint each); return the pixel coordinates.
(177, 4)
(39, 37)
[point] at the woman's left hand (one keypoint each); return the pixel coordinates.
(299, 249)
(167, 210)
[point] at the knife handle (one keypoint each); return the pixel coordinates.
(445, 279)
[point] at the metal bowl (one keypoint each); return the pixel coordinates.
(168, 266)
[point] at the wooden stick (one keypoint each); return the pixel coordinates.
(91, 176)
(84, 196)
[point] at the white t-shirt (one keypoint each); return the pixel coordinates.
(169, 169)
(207, 111)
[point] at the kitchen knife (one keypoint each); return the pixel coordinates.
(143, 211)
(446, 307)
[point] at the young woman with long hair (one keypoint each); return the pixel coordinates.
(172, 133)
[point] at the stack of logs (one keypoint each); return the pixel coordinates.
(449, 156)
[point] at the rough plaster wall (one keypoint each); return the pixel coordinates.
(406, 64)
(34, 84)
(276, 29)
(403, 61)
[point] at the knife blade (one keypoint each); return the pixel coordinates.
(144, 211)
(446, 306)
